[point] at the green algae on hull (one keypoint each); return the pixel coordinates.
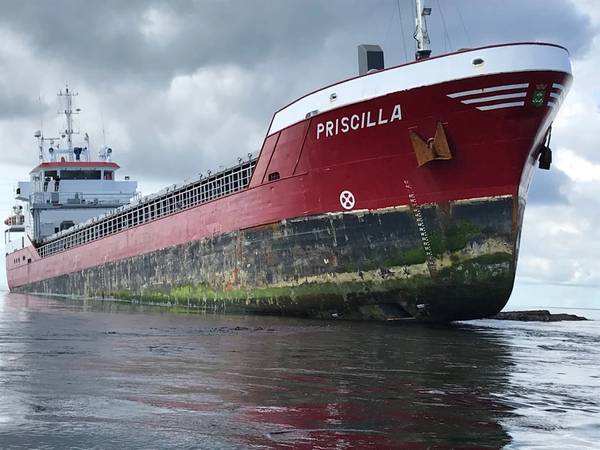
(485, 273)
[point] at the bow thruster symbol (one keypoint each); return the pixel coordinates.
(347, 200)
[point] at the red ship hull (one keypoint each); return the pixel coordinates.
(315, 240)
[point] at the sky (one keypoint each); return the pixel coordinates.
(180, 87)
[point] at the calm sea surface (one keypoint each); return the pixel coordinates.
(101, 375)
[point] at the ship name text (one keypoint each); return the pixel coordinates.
(354, 122)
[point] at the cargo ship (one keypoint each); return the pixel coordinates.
(396, 194)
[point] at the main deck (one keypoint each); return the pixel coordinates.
(167, 202)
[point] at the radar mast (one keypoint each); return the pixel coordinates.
(421, 35)
(68, 112)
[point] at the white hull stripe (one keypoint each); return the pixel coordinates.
(506, 87)
(558, 86)
(494, 98)
(554, 99)
(500, 106)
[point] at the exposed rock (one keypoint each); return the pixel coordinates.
(541, 315)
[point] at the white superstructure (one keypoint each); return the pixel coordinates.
(68, 187)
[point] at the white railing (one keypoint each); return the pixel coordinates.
(83, 199)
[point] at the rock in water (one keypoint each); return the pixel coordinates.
(541, 315)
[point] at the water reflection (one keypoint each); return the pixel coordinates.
(73, 374)
(363, 386)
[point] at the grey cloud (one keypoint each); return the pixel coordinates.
(14, 106)
(491, 22)
(105, 39)
(549, 187)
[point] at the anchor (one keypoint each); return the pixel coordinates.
(435, 148)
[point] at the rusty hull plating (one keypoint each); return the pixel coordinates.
(365, 265)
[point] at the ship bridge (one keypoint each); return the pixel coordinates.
(68, 186)
(62, 194)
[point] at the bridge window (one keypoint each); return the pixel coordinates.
(274, 176)
(80, 174)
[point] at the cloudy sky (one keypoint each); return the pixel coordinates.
(184, 86)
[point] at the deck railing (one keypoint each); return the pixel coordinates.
(46, 200)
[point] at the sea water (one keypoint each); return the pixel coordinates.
(105, 375)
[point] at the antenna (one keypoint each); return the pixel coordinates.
(68, 112)
(41, 113)
(40, 137)
(103, 130)
(87, 146)
(402, 31)
(421, 35)
(40, 133)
